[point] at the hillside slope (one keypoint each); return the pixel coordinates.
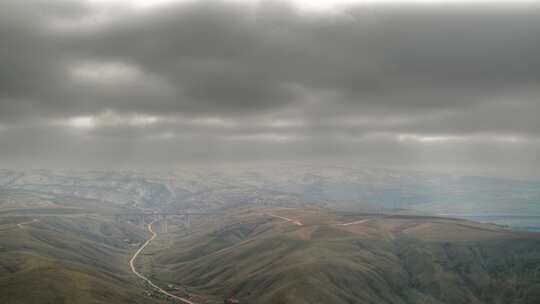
(67, 260)
(327, 258)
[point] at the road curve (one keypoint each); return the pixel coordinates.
(296, 222)
(132, 266)
(355, 222)
(21, 225)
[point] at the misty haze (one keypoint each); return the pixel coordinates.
(272, 151)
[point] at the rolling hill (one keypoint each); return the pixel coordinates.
(67, 259)
(258, 256)
(289, 235)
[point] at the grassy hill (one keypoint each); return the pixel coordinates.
(67, 260)
(332, 258)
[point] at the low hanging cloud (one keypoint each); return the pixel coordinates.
(403, 84)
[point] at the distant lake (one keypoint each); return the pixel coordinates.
(513, 221)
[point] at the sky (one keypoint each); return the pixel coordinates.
(422, 84)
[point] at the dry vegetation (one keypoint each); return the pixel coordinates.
(373, 259)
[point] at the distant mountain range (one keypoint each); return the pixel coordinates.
(336, 188)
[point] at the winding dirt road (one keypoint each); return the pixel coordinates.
(134, 270)
(355, 222)
(21, 225)
(184, 300)
(296, 222)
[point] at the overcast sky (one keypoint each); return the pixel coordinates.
(425, 84)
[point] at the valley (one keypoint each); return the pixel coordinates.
(145, 238)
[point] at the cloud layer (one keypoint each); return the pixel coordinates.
(434, 86)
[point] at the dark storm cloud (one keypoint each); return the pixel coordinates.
(232, 58)
(190, 76)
